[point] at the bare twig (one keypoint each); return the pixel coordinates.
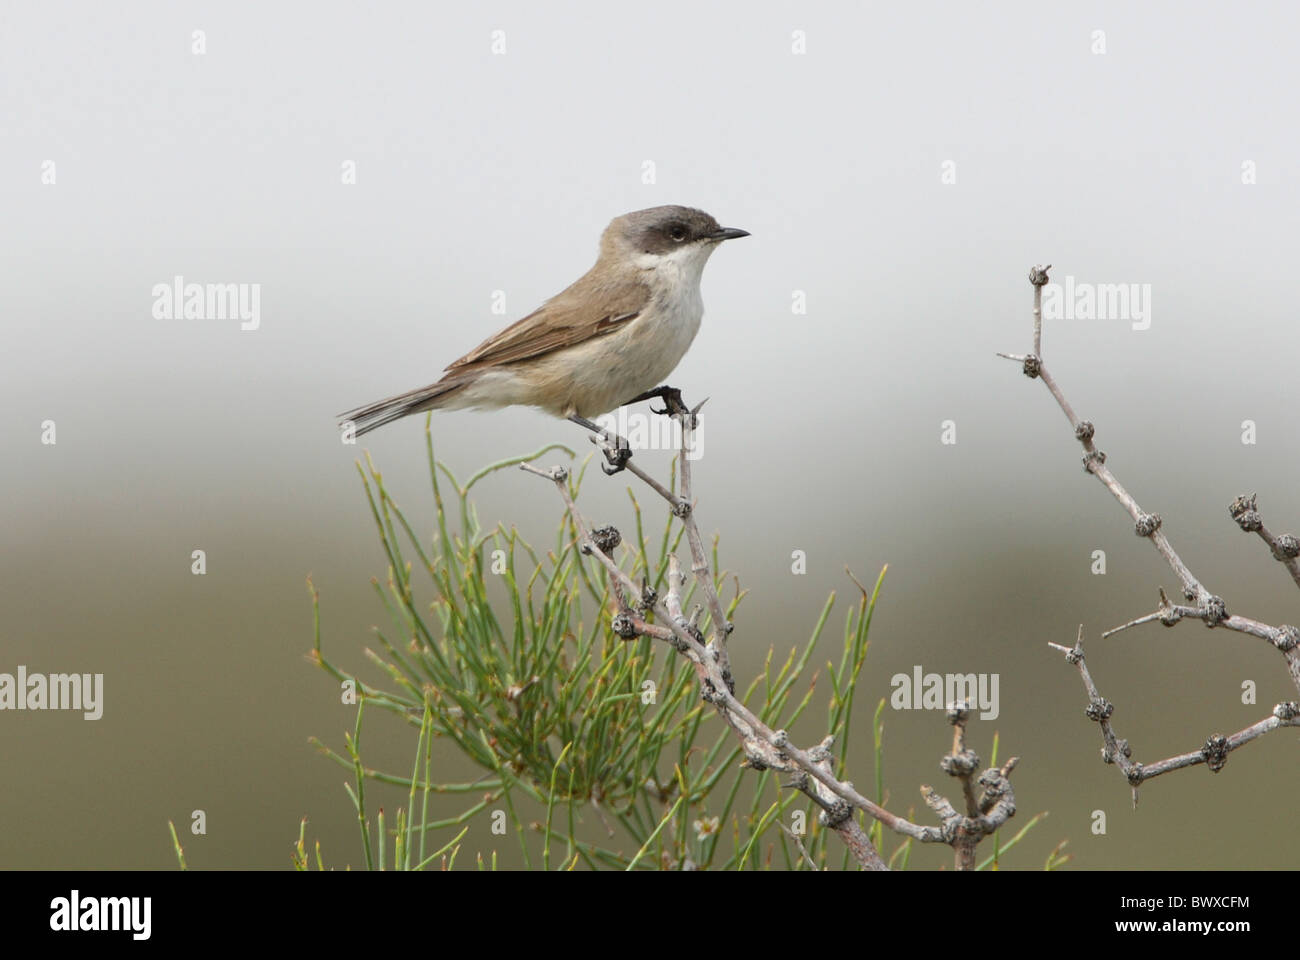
(1285, 548)
(699, 560)
(962, 763)
(1209, 609)
(675, 502)
(1117, 751)
(683, 508)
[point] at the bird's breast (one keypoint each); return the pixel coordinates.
(673, 324)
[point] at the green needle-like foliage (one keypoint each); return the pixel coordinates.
(596, 751)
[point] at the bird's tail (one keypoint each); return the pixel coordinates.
(374, 415)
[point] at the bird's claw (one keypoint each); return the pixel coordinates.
(674, 406)
(616, 455)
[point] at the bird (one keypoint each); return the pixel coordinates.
(608, 339)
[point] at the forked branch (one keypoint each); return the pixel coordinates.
(1202, 605)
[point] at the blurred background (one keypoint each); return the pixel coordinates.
(899, 167)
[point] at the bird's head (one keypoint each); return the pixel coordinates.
(681, 236)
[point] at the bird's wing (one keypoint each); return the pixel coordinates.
(563, 321)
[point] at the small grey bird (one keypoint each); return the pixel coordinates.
(609, 339)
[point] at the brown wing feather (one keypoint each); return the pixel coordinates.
(563, 321)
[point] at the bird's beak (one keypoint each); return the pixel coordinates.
(728, 233)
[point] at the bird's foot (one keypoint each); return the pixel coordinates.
(617, 454)
(674, 406)
(617, 451)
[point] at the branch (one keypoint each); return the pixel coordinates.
(1285, 548)
(1214, 752)
(764, 747)
(1209, 608)
(683, 507)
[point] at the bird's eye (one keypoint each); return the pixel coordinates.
(677, 232)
